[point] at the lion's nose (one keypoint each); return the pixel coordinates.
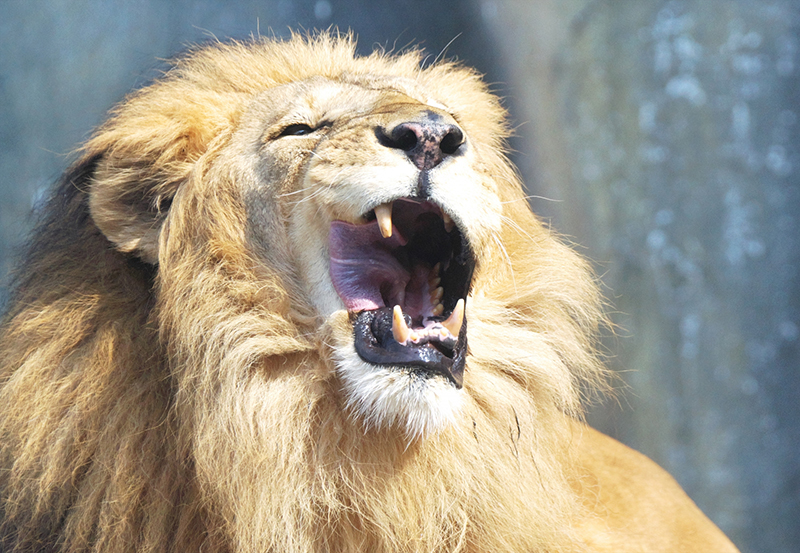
(427, 140)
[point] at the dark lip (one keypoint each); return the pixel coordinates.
(421, 242)
(380, 348)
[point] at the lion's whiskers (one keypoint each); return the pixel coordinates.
(502, 247)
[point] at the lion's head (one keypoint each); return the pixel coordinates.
(294, 299)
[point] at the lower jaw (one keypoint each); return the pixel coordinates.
(424, 360)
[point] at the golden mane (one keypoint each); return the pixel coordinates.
(168, 384)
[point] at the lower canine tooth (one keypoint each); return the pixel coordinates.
(456, 319)
(383, 213)
(400, 329)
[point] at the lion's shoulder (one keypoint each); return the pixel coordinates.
(632, 504)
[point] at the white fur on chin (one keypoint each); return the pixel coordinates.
(384, 397)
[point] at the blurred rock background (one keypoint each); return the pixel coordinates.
(661, 136)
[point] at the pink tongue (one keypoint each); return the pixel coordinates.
(363, 269)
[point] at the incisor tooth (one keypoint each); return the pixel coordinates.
(400, 329)
(448, 222)
(383, 213)
(456, 319)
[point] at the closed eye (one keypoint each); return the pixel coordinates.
(298, 129)
(302, 129)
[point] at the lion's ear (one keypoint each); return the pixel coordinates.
(129, 200)
(146, 150)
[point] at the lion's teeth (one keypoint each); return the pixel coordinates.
(437, 294)
(434, 282)
(456, 319)
(435, 270)
(448, 222)
(383, 213)
(400, 329)
(438, 310)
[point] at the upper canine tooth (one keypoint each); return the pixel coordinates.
(448, 222)
(456, 319)
(383, 213)
(400, 329)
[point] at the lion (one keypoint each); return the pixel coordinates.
(290, 299)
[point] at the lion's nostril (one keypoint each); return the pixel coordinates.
(452, 141)
(404, 137)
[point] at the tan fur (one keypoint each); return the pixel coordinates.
(175, 362)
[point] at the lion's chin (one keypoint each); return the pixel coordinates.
(417, 402)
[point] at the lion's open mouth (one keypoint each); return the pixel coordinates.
(405, 276)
